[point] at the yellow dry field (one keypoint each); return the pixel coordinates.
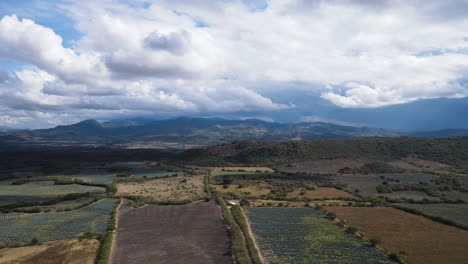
(249, 189)
(321, 192)
(424, 241)
(71, 251)
(166, 189)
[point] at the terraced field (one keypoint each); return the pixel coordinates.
(40, 191)
(21, 228)
(302, 235)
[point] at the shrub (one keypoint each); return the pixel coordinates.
(34, 241)
(374, 241)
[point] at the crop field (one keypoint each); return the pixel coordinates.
(72, 251)
(60, 206)
(100, 177)
(192, 233)
(420, 240)
(328, 166)
(320, 192)
(302, 235)
(454, 212)
(167, 189)
(21, 228)
(40, 191)
(289, 203)
(367, 184)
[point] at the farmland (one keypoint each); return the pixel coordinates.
(40, 191)
(320, 192)
(453, 212)
(192, 233)
(302, 235)
(367, 185)
(415, 238)
(60, 206)
(21, 228)
(183, 188)
(245, 188)
(72, 251)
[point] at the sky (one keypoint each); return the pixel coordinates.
(393, 64)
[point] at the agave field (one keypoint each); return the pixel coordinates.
(40, 191)
(21, 228)
(302, 235)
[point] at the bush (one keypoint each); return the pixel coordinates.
(396, 257)
(352, 229)
(330, 215)
(374, 241)
(34, 241)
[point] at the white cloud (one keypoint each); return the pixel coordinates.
(196, 56)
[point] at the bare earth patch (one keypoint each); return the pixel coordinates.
(71, 251)
(423, 240)
(173, 189)
(192, 233)
(321, 192)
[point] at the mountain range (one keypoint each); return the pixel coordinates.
(203, 131)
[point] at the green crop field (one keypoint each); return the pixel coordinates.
(100, 177)
(302, 235)
(60, 206)
(21, 228)
(454, 212)
(40, 191)
(367, 184)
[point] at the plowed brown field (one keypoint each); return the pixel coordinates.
(423, 240)
(192, 233)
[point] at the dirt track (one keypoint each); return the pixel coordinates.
(191, 233)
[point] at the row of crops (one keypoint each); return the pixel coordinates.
(40, 191)
(21, 228)
(302, 235)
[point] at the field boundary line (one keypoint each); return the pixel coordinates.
(251, 235)
(116, 225)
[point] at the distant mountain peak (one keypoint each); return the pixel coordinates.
(88, 122)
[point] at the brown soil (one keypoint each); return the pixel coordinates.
(192, 233)
(423, 240)
(167, 189)
(56, 252)
(321, 192)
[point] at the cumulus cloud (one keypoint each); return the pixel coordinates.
(179, 57)
(174, 42)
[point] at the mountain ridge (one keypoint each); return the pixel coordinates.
(206, 131)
